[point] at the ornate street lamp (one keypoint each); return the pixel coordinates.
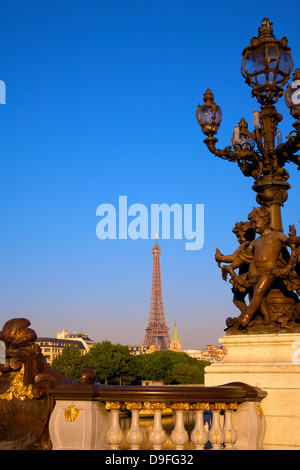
(266, 66)
(273, 284)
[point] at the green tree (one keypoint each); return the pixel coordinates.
(112, 363)
(70, 361)
(187, 374)
(171, 367)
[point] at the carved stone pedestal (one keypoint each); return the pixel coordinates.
(78, 425)
(271, 362)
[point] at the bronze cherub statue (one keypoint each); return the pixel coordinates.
(265, 265)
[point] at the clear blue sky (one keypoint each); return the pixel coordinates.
(101, 101)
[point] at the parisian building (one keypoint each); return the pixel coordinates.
(52, 347)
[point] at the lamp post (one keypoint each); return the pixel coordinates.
(266, 67)
(261, 154)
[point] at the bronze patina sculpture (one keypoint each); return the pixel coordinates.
(245, 234)
(25, 385)
(269, 264)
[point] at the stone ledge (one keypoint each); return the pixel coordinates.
(265, 348)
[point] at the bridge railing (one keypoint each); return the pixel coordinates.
(41, 408)
(224, 417)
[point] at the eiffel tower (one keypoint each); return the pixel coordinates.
(157, 332)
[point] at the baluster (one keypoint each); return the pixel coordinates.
(114, 435)
(135, 435)
(179, 436)
(216, 434)
(230, 434)
(157, 436)
(199, 435)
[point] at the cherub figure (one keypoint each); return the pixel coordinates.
(245, 234)
(265, 257)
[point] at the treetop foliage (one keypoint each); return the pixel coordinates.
(113, 364)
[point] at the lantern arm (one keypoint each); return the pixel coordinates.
(287, 150)
(226, 154)
(249, 161)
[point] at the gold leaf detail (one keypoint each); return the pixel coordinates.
(133, 405)
(158, 406)
(113, 405)
(259, 412)
(17, 388)
(181, 406)
(200, 406)
(71, 413)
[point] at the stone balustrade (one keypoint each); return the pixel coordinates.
(221, 434)
(90, 417)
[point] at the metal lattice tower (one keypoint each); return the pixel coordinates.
(157, 332)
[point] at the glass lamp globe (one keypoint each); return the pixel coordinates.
(242, 137)
(292, 94)
(292, 98)
(209, 115)
(245, 142)
(267, 64)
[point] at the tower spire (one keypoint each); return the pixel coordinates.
(175, 343)
(157, 332)
(175, 334)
